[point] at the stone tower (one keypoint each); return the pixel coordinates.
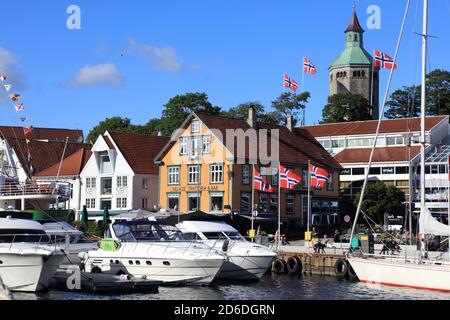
(352, 71)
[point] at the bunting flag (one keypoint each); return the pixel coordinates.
(318, 177)
(2, 77)
(19, 107)
(8, 87)
(28, 130)
(288, 179)
(260, 184)
(14, 97)
(308, 66)
(290, 83)
(383, 61)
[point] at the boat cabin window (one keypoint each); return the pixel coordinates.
(147, 232)
(222, 235)
(192, 236)
(23, 236)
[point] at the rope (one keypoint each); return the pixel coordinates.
(363, 190)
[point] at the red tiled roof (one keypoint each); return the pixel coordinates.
(140, 150)
(71, 165)
(385, 154)
(369, 127)
(108, 142)
(294, 148)
(53, 134)
(44, 153)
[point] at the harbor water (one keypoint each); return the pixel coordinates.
(271, 287)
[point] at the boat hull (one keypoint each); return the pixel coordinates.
(245, 267)
(28, 272)
(402, 274)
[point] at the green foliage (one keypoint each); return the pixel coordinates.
(178, 108)
(380, 199)
(93, 229)
(346, 108)
(241, 112)
(406, 102)
(289, 104)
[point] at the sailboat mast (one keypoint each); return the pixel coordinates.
(423, 104)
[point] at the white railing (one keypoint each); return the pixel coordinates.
(13, 189)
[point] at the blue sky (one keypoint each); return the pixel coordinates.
(131, 56)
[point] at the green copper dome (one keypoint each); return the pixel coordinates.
(354, 52)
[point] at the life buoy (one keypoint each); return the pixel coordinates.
(351, 273)
(279, 266)
(341, 268)
(294, 265)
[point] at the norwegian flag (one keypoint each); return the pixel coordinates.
(28, 130)
(383, 61)
(290, 83)
(288, 179)
(19, 107)
(259, 183)
(318, 176)
(308, 66)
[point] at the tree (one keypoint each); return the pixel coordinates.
(241, 112)
(380, 199)
(406, 102)
(178, 108)
(346, 108)
(117, 124)
(289, 104)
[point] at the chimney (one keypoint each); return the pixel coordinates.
(251, 120)
(290, 123)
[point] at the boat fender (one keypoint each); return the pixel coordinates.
(351, 273)
(225, 245)
(279, 266)
(96, 270)
(294, 265)
(341, 268)
(82, 267)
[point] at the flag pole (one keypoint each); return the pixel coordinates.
(279, 206)
(303, 89)
(371, 90)
(309, 198)
(253, 198)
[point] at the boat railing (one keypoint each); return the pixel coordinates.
(34, 241)
(13, 189)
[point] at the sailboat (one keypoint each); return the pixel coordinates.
(420, 272)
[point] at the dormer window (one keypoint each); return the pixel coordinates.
(195, 126)
(105, 163)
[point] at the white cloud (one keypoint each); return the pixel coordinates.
(9, 66)
(98, 75)
(163, 59)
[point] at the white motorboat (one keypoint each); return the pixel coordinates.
(28, 261)
(419, 273)
(157, 251)
(69, 239)
(247, 261)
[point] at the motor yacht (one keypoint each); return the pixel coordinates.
(247, 260)
(154, 250)
(28, 261)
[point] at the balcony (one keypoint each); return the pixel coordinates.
(15, 190)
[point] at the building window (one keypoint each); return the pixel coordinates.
(193, 201)
(145, 183)
(206, 144)
(144, 203)
(173, 201)
(195, 148)
(275, 179)
(338, 143)
(216, 202)
(216, 173)
(91, 183)
(245, 174)
(388, 170)
(121, 203)
(358, 171)
(90, 203)
(290, 204)
(105, 203)
(305, 178)
(194, 174)
(330, 183)
(326, 144)
(195, 126)
(402, 170)
(105, 163)
(106, 186)
(246, 199)
(122, 181)
(174, 175)
(375, 170)
(395, 141)
(183, 146)
(346, 172)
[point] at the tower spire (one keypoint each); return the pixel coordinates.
(354, 25)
